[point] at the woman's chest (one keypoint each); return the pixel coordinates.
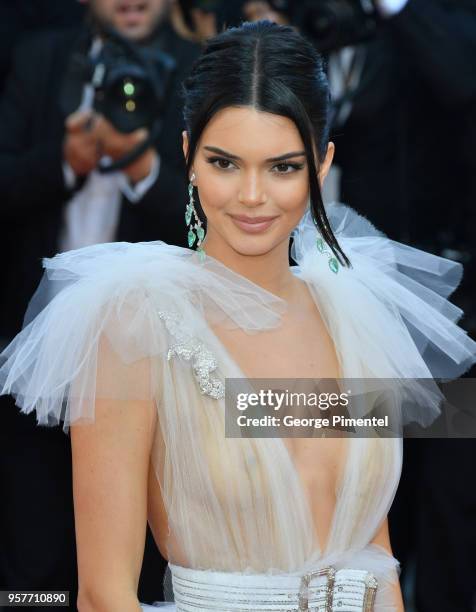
(300, 348)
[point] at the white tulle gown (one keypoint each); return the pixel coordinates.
(148, 321)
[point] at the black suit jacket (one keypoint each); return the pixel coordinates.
(31, 178)
(403, 148)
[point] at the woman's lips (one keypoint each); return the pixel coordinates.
(253, 226)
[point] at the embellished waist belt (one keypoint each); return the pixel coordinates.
(323, 590)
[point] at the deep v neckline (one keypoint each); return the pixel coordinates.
(306, 496)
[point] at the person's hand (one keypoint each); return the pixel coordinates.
(80, 145)
(115, 145)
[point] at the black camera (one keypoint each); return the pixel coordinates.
(331, 24)
(131, 83)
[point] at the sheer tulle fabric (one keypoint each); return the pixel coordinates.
(391, 305)
(95, 329)
(105, 300)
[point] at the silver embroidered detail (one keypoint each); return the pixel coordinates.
(192, 349)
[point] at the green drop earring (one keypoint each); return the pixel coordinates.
(321, 245)
(332, 261)
(196, 230)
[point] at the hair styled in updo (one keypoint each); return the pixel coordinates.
(271, 68)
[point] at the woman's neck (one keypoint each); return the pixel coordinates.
(270, 270)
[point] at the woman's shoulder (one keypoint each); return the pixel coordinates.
(116, 279)
(389, 310)
(96, 311)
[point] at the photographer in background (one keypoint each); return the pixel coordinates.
(55, 133)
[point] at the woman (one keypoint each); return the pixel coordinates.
(139, 338)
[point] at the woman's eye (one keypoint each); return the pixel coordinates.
(220, 160)
(293, 167)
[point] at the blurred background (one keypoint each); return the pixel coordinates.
(90, 152)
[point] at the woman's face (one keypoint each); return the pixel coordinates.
(252, 179)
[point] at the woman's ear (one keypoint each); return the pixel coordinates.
(326, 164)
(185, 143)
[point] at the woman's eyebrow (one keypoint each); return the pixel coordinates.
(270, 159)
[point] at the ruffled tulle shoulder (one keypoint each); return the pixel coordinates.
(103, 315)
(388, 311)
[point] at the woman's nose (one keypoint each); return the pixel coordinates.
(252, 192)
